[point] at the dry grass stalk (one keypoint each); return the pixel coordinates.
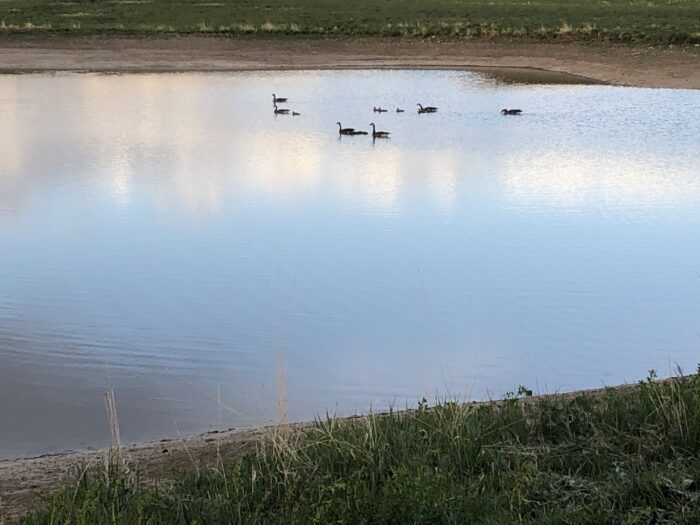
(111, 406)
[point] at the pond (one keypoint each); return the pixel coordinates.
(168, 237)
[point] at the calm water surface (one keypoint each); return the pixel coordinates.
(168, 237)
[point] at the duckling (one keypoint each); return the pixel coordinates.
(275, 99)
(399, 110)
(426, 109)
(379, 134)
(280, 111)
(295, 114)
(358, 132)
(379, 110)
(511, 111)
(345, 131)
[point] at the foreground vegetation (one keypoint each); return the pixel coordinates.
(654, 22)
(624, 456)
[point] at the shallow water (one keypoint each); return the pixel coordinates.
(168, 237)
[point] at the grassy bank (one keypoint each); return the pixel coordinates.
(653, 22)
(625, 456)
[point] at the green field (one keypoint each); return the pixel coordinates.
(653, 22)
(628, 456)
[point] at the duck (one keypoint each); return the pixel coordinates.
(281, 111)
(399, 110)
(295, 114)
(379, 134)
(379, 110)
(275, 99)
(511, 111)
(426, 109)
(345, 131)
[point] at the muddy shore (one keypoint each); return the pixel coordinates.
(613, 64)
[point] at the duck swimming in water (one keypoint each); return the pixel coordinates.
(345, 131)
(379, 134)
(426, 109)
(511, 111)
(280, 111)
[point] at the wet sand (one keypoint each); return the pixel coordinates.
(677, 67)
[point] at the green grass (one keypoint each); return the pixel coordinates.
(654, 22)
(628, 456)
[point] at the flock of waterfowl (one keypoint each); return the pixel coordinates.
(375, 134)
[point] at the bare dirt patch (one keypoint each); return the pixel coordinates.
(614, 64)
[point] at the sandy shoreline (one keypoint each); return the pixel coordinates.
(617, 65)
(25, 481)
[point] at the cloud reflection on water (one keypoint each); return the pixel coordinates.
(187, 137)
(169, 233)
(575, 180)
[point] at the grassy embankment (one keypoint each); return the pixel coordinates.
(627, 456)
(652, 22)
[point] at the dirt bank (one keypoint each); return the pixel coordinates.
(618, 65)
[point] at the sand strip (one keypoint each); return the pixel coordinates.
(618, 65)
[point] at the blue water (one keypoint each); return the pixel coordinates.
(168, 237)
